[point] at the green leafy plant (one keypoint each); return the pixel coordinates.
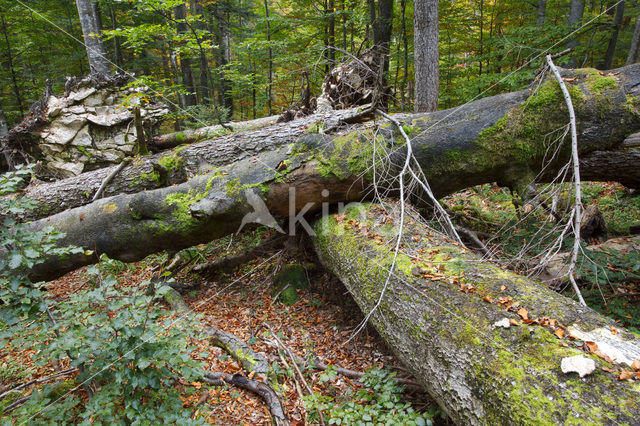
(379, 402)
(130, 354)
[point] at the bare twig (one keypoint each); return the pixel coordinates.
(576, 180)
(295, 366)
(110, 177)
(37, 381)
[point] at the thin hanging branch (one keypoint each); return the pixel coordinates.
(577, 217)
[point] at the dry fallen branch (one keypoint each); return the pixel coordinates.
(265, 391)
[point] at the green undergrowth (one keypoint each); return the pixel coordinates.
(609, 278)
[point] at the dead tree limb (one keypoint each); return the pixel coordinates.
(262, 389)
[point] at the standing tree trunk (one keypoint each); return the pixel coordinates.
(190, 99)
(331, 54)
(270, 53)
(575, 16)
(221, 12)
(14, 79)
(405, 56)
(634, 50)
(541, 13)
(117, 48)
(197, 10)
(426, 62)
(381, 23)
(96, 53)
(611, 48)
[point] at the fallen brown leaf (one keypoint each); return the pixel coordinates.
(559, 333)
(636, 365)
(626, 375)
(523, 313)
(591, 346)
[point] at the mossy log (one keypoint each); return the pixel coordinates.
(503, 138)
(439, 309)
(506, 138)
(173, 167)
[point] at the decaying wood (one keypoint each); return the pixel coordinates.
(493, 145)
(250, 360)
(171, 140)
(444, 312)
(262, 389)
(169, 168)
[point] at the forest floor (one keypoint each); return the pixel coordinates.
(321, 322)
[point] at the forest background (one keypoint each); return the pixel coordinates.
(250, 58)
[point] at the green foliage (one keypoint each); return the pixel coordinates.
(611, 284)
(124, 346)
(379, 402)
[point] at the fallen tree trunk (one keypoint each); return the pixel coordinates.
(486, 343)
(170, 168)
(504, 138)
(171, 140)
(501, 139)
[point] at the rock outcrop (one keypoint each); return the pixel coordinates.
(92, 127)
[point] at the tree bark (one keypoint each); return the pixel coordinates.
(97, 54)
(270, 59)
(634, 50)
(382, 24)
(498, 139)
(611, 48)
(189, 97)
(427, 59)
(224, 54)
(576, 12)
(437, 309)
(541, 12)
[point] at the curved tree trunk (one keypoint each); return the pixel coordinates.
(437, 308)
(506, 139)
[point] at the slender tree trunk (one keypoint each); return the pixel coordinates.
(405, 42)
(426, 62)
(14, 79)
(344, 27)
(481, 36)
(615, 30)
(382, 24)
(634, 50)
(332, 34)
(96, 53)
(542, 12)
(224, 54)
(190, 98)
(204, 84)
(270, 54)
(117, 47)
(575, 16)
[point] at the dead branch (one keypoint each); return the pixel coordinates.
(108, 179)
(265, 391)
(576, 179)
